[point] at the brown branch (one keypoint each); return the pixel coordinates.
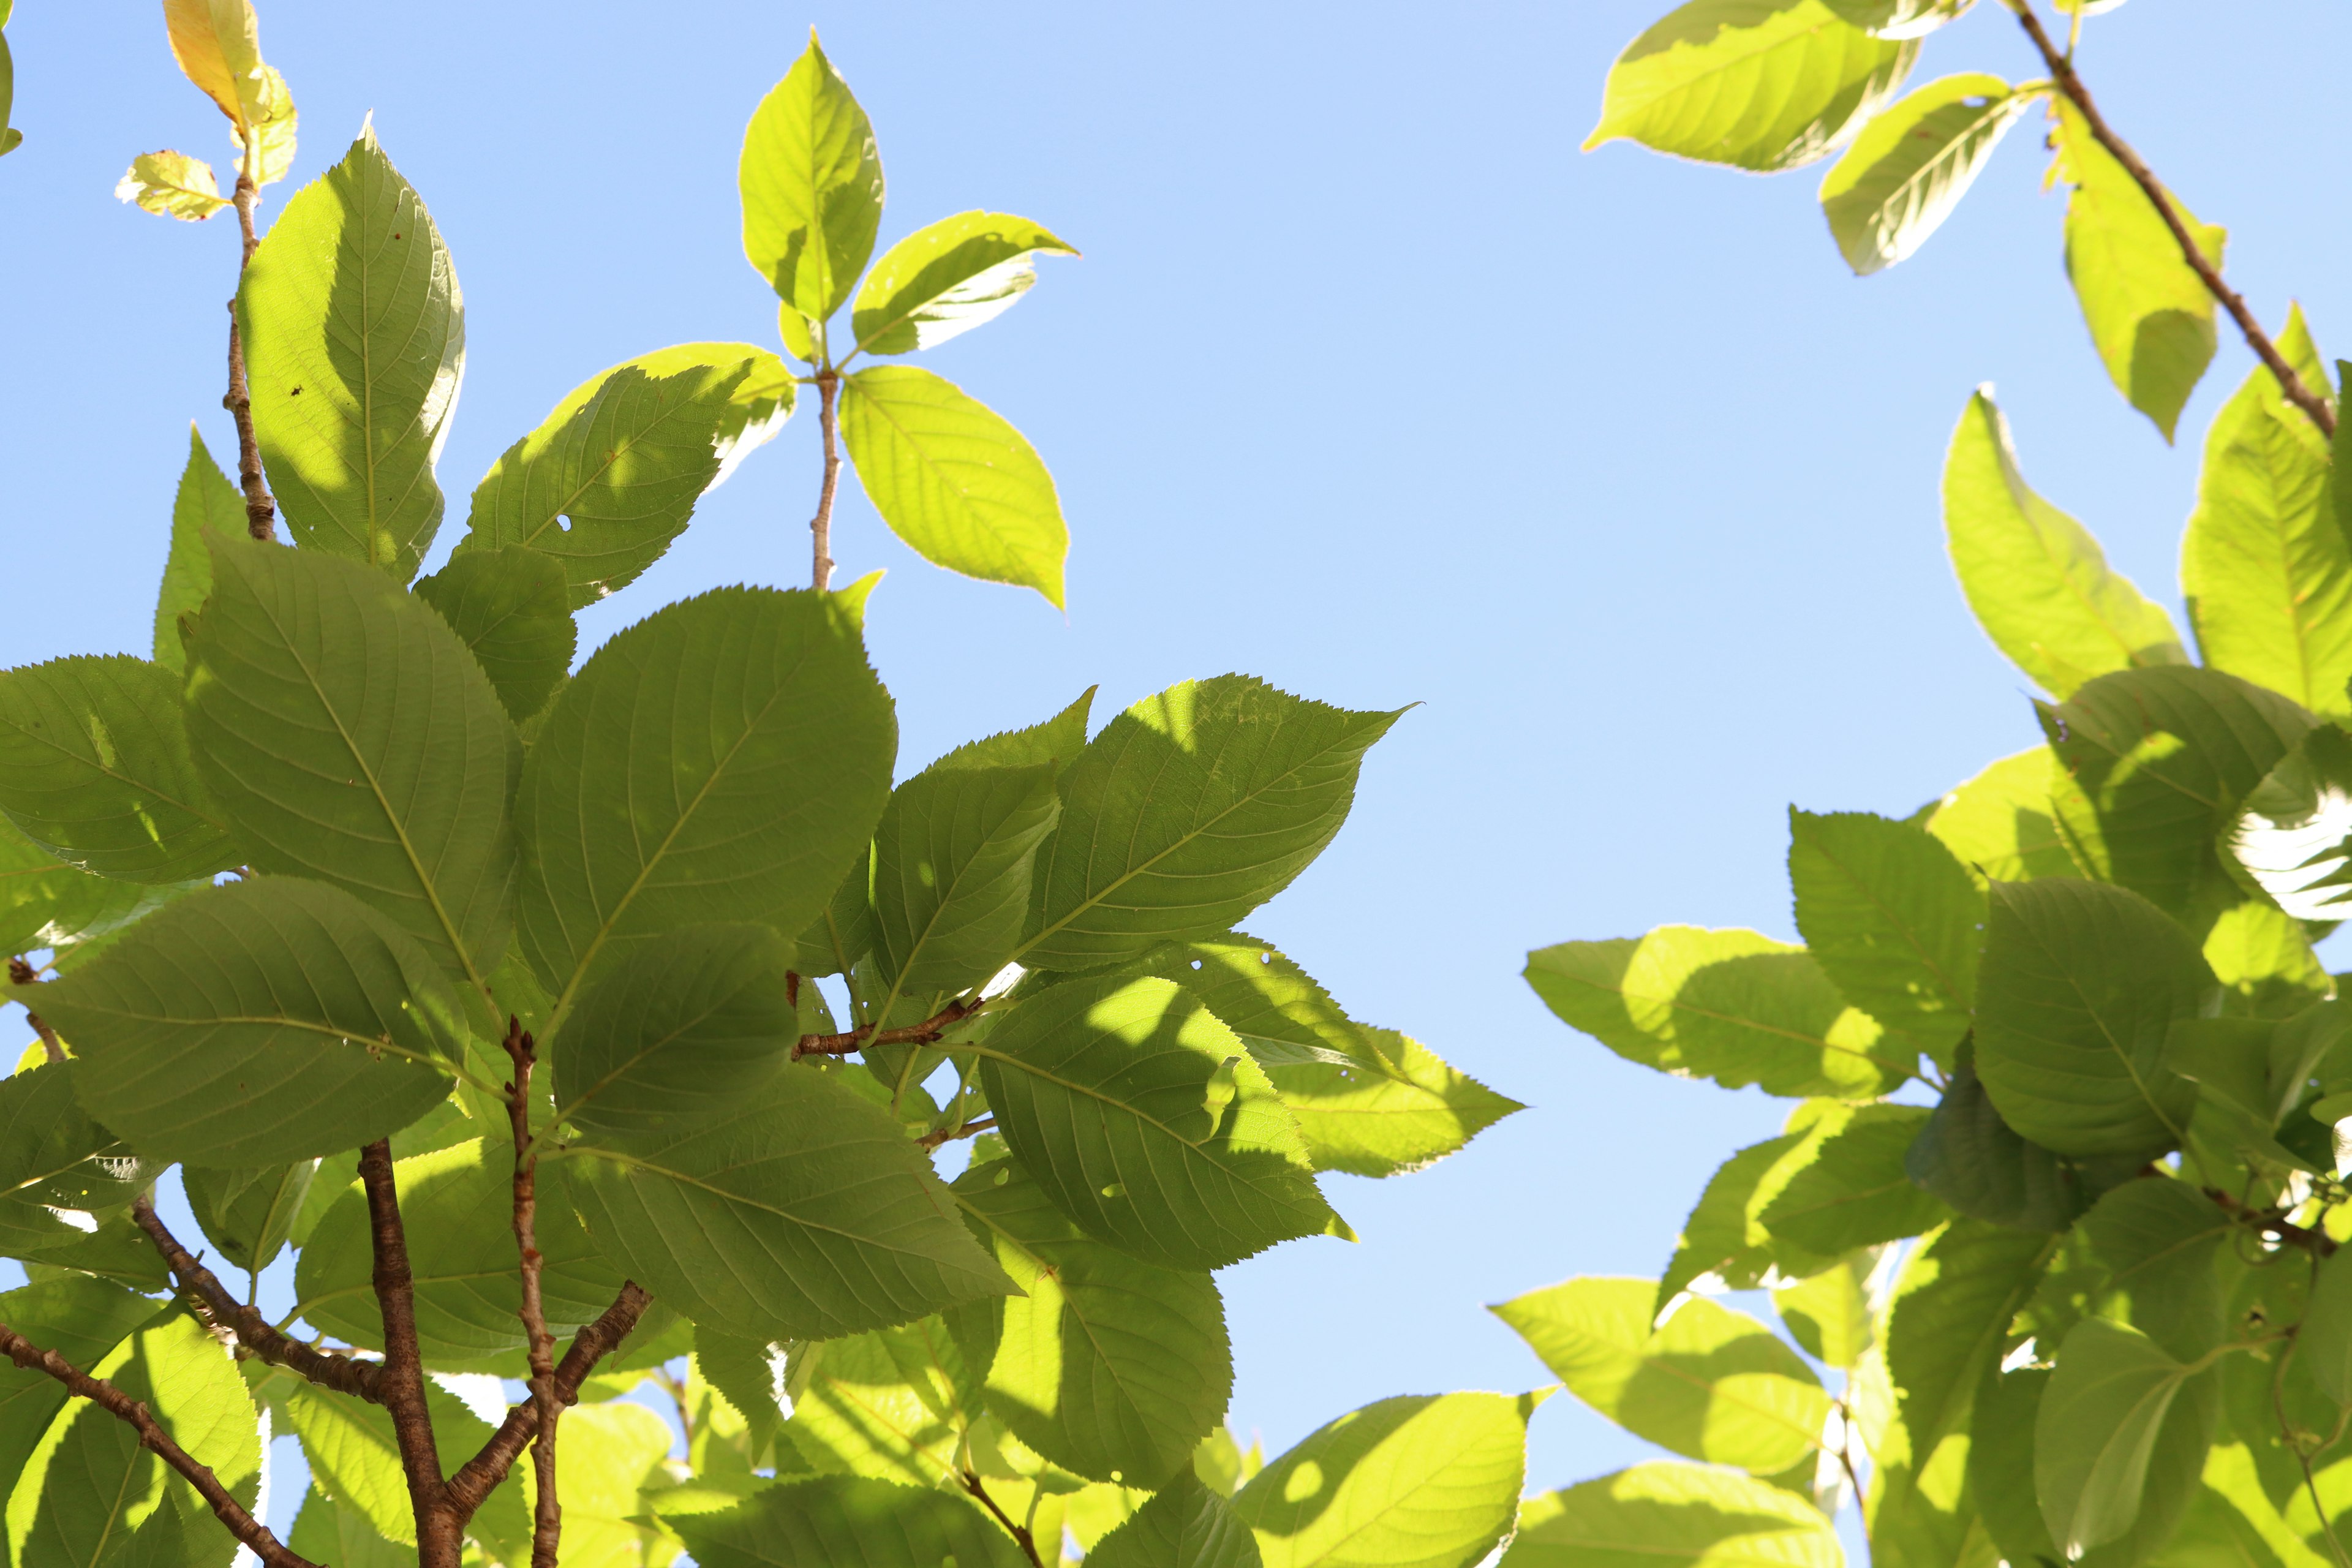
(255, 1333)
(402, 1382)
(2318, 1243)
(23, 974)
(260, 510)
(480, 1475)
(546, 1521)
(944, 1135)
(1020, 1533)
(857, 1039)
(155, 1440)
(828, 388)
(2061, 72)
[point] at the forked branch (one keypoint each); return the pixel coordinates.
(480, 1475)
(156, 1441)
(2061, 72)
(1020, 1533)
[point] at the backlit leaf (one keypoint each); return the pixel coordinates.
(842, 1521)
(1676, 1513)
(206, 499)
(1848, 1187)
(1912, 163)
(172, 184)
(812, 188)
(1186, 1525)
(947, 277)
(2000, 823)
(2108, 1441)
(1891, 915)
(511, 609)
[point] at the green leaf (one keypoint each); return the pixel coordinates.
(1968, 1156)
(1851, 1188)
(249, 1213)
(259, 1023)
(2157, 1241)
(1719, 1238)
(1708, 1383)
(1757, 84)
(720, 760)
(797, 1212)
(458, 1207)
(82, 1320)
(1369, 1102)
(354, 344)
(748, 1374)
(1732, 1005)
(326, 1531)
(946, 278)
(2149, 313)
(2081, 984)
(611, 1459)
(1186, 1525)
(2000, 823)
(842, 1521)
(1146, 1121)
(2291, 834)
(1056, 739)
(2001, 1463)
(2263, 565)
(53, 1157)
(1901, 18)
(952, 863)
(2263, 958)
(94, 767)
(1893, 918)
(812, 187)
(1107, 1365)
(403, 804)
(961, 486)
(2107, 1433)
(206, 499)
(1426, 1481)
(1911, 166)
(610, 479)
(896, 1404)
(44, 903)
(354, 1458)
(1829, 1314)
(2038, 581)
(1189, 810)
(510, 606)
(2161, 759)
(2323, 1346)
(1677, 1513)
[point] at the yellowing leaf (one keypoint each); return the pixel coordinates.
(172, 184)
(217, 44)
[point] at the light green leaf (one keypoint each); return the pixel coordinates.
(82, 1320)
(1911, 166)
(354, 344)
(611, 476)
(1147, 1122)
(1757, 84)
(248, 1212)
(259, 1023)
(609, 1459)
(841, 1521)
(2234, 1520)
(1186, 1525)
(2107, 1433)
(1848, 1188)
(2081, 984)
(94, 766)
(44, 903)
(2263, 958)
(1369, 1102)
(403, 804)
(1189, 810)
(1677, 1513)
(2149, 313)
(1429, 1481)
(952, 863)
(2156, 1240)
(798, 1212)
(1732, 1005)
(1708, 1383)
(748, 1376)
(326, 1531)
(1968, 1156)
(206, 499)
(1720, 1238)
(1893, 918)
(2038, 581)
(2159, 761)
(2291, 834)
(1107, 1365)
(355, 1460)
(1901, 18)
(2000, 823)
(947, 277)
(812, 187)
(2323, 1347)
(1830, 1314)
(961, 486)
(720, 760)
(458, 1207)
(897, 1404)
(511, 609)
(2265, 569)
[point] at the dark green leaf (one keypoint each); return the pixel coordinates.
(1893, 918)
(1056, 739)
(2000, 1464)
(1968, 1156)
(1851, 1189)
(2157, 1240)
(2323, 1347)
(841, 1521)
(249, 1213)
(511, 609)
(1187, 1525)
(206, 499)
(953, 864)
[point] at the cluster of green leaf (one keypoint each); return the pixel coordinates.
(321, 882)
(1769, 85)
(2056, 1216)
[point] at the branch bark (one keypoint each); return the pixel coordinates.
(212, 1301)
(857, 1039)
(480, 1476)
(2061, 72)
(1020, 1533)
(23, 974)
(260, 510)
(155, 1440)
(439, 1538)
(546, 1521)
(828, 388)
(946, 1135)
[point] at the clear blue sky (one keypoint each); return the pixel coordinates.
(1370, 384)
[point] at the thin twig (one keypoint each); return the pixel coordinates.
(948, 1135)
(2319, 1244)
(2302, 1457)
(857, 1039)
(20, 973)
(155, 1440)
(212, 1300)
(480, 1476)
(402, 1382)
(1845, 1456)
(2061, 72)
(828, 388)
(260, 510)
(547, 1519)
(1020, 1533)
